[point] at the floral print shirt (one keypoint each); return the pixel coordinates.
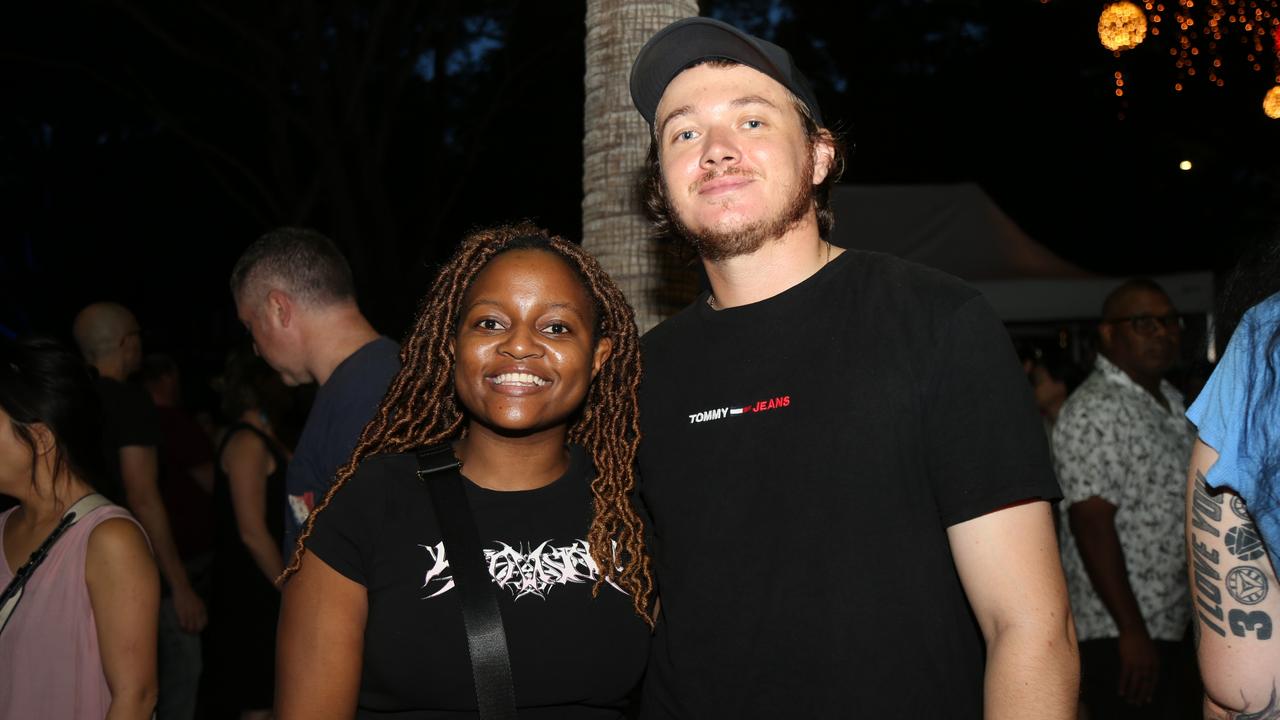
(1114, 441)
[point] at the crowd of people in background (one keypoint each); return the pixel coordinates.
(868, 503)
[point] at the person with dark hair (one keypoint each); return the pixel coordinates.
(524, 359)
(185, 480)
(110, 340)
(1121, 444)
(847, 481)
(247, 496)
(1233, 498)
(1053, 378)
(80, 644)
(294, 293)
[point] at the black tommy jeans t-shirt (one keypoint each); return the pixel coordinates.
(802, 459)
(572, 656)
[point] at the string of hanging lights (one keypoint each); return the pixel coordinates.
(1199, 30)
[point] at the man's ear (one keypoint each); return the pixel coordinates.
(824, 155)
(279, 308)
(604, 348)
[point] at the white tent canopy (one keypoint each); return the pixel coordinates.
(959, 229)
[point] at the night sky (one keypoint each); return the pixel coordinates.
(143, 146)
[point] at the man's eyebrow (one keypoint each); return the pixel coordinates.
(752, 100)
(678, 112)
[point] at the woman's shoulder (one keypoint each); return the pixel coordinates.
(383, 478)
(243, 438)
(374, 502)
(115, 536)
(389, 467)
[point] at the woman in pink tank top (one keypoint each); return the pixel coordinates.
(81, 643)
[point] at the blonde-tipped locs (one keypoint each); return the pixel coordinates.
(421, 409)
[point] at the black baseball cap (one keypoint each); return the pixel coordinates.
(686, 42)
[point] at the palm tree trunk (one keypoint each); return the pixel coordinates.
(613, 227)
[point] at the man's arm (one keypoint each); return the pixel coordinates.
(1009, 567)
(139, 471)
(1092, 522)
(1236, 600)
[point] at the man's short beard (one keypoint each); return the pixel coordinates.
(718, 245)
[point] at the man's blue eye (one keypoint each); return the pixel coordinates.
(754, 124)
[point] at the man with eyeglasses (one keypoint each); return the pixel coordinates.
(110, 340)
(1122, 445)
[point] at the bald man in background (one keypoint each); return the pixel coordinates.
(110, 340)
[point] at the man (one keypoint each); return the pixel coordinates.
(294, 293)
(841, 458)
(1122, 445)
(109, 339)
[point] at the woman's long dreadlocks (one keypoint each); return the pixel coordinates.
(421, 409)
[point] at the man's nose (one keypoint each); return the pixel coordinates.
(720, 149)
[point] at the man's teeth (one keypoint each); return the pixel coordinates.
(519, 379)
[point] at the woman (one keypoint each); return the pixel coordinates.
(1233, 489)
(248, 498)
(525, 358)
(81, 643)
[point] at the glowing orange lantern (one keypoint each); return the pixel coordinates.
(1122, 26)
(1271, 103)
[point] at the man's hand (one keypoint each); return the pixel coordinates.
(1139, 667)
(192, 616)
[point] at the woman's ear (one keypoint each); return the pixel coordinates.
(604, 348)
(45, 442)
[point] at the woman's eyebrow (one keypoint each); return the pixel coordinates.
(573, 307)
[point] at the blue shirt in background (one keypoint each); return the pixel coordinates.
(342, 407)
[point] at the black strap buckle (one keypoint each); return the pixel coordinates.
(437, 458)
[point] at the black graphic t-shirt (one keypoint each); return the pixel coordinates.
(802, 459)
(572, 656)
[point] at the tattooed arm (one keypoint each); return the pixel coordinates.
(1009, 567)
(1237, 603)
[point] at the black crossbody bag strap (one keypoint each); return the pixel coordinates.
(486, 638)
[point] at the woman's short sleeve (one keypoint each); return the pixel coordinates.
(344, 534)
(1219, 412)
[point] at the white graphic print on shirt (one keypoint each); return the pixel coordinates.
(521, 570)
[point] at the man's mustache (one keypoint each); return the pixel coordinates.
(710, 175)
